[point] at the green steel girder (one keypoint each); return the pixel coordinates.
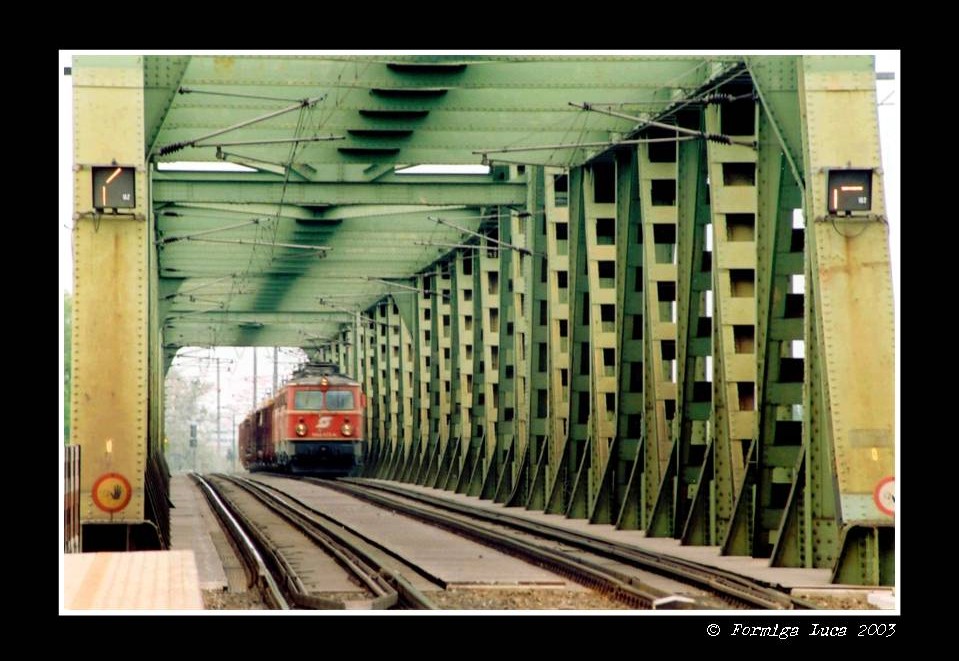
(777, 83)
(693, 346)
(520, 73)
(555, 241)
(531, 482)
(513, 377)
(596, 289)
(657, 179)
(212, 189)
(390, 112)
(733, 205)
(365, 343)
(473, 464)
(612, 482)
(568, 443)
(461, 309)
(161, 80)
(772, 458)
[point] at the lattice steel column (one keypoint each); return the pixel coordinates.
(381, 398)
(419, 315)
(461, 368)
(562, 450)
(403, 373)
(367, 363)
(513, 377)
(693, 346)
(657, 194)
(594, 350)
(623, 406)
(440, 354)
(485, 378)
(733, 203)
(771, 463)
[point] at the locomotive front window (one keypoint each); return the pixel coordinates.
(340, 400)
(308, 400)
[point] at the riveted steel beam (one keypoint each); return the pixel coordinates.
(516, 263)
(658, 201)
(594, 383)
(693, 347)
(214, 189)
(567, 452)
(771, 462)
(550, 353)
(733, 205)
(776, 79)
(486, 336)
(622, 406)
(449, 448)
(848, 429)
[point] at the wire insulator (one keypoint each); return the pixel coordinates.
(715, 137)
(172, 148)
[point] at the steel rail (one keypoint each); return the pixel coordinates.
(256, 567)
(726, 584)
(391, 588)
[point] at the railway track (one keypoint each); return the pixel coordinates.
(612, 568)
(290, 550)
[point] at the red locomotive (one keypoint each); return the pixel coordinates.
(313, 425)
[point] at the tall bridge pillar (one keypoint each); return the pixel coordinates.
(112, 284)
(841, 510)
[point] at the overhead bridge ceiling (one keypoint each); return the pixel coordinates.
(324, 225)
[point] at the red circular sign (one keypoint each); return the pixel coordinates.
(112, 492)
(884, 496)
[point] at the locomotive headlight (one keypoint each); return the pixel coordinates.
(346, 429)
(301, 429)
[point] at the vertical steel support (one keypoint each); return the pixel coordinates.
(567, 367)
(441, 324)
(595, 346)
(513, 373)
(658, 197)
(461, 343)
(402, 348)
(381, 401)
(415, 312)
(111, 344)
(771, 462)
(531, 490)
(486, 326)
(732, 176)
(366, 349)
(848, 429)
(552, 346)
(693, 346)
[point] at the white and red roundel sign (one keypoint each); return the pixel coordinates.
(884, 495)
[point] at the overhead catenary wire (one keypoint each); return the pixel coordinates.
(184, 237)
(520, 249)
(276, 141)
(182, 144)
(295, 246)
(238, 95)
(582, 145)
(643, 123)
